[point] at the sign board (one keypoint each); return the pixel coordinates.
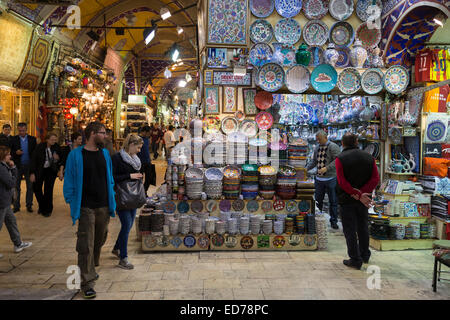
(228, 78)
(137, 99)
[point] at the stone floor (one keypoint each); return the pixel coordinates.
(207, 275)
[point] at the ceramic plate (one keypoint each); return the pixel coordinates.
(349, 81)
(214, 174)
(263, 100)
(315, 33)
(262, 8)
(229, 125)
(319, 106)
(344, 57)
(341, 9)
(249, 128)
(288, 8)
(342, 34)
(288, 31)
(211, 124)
(361, 8)
(261, 31)
(315, 9)
(396, 79)
(372, 81)
(271, 77)
(264, 120)
(370, 38)
(267, 170)
(324, 78)
(231, 172)
(252, 206)
(316, 56)
(298, 79)
(284, 54)
(197, 206)
(239, 115)
(260, 54)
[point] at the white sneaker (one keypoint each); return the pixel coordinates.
(22, 246)
(125, 264)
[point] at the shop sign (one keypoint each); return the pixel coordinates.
(137, 99)
(228, 78)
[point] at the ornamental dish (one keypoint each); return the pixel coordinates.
(261, 31)
(362, 8)
(341, 9)
(396, 79)
(288, 31)
(298, 79)
(372, 81)
(370, 37)
(260, 54)
(324, 78)
(229, 125)
(342, 34)
(349, 81)
(315, 9)
(264, 120)
(288, 8)
(262, 8)
(315, 33)
(249, 128)
(271, 77)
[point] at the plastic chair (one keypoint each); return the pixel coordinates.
(440, 244)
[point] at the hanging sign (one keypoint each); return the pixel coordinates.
(137, 99)
(228, 78)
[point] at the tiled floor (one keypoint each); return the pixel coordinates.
(208, 275)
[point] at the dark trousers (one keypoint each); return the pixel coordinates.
(45, 198)
(145, 170)
(155, 147)
(91, 236)
(127, 218)
(356, 230)
(24, 171)
(328, 187)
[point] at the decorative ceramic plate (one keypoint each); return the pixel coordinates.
(396, 79)
(211, 124)
(249, 128)
(169, 207)
(211, 205)
(238, 205)
(229, 125)
(183, 207)
(363, 5)
(197, 206)
(298, 79)
(349, 81)
(341, 9)
(264, 120)
(436, 130)
(266, 206)
(267, 170)
(370, 38)
(291, 206)
(193, 173)
(344, 57)
(260, 54)
(342, 34)
(271, 77)
(252, 206)
(214, 174)
(225, 205)
(189, 241)
(278, 205)
(239, 115)
(262, 8)
(288, 8)
(261, 31)
(263, 100)
(304, 206)
(284, 56)
(372, 81)
(324, 78)
(231, 172)
(315, 9)
(287, 171)
(288, 31)
(316, 56)
(319, 106)
(315, 33)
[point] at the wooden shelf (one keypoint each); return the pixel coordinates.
(401, 174)
(399, 245)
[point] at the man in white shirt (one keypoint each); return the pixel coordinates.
(169, 140)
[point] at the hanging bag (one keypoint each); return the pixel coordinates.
(130, 194)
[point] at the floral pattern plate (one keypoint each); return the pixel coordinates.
(249, 128)
(239, 115)
(264, 120)
(271, 77)
(260, 54)
(324, 78)
(211, 124)
(315, 33)
(288, 8)
(349, 81)
(315, 9)
(298, 79)
(262, 8)
(372, 81)
(370, 38)
(341, 9)
(288, 31)
(361, 8)
(316, 56)
(342, 34)
(344, 57)
(261, 31)
(285, 55)
(229, 125)
(396, 79)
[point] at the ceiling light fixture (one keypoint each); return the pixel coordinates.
(167, 73)
(188, 77)
(439, 20)
(180, 30)
(182, 83)
(165, 13)
(149, 33)
(175, 54)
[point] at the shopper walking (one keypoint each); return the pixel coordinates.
(357, 176)
(89, 189)
(147, 168)
(8, 176)
(76, 140)
(5, 136)
(156, 136)
(126, 167)
(22, 147)
(45, 165)
(169, 141)
(324, 159)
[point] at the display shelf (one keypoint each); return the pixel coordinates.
(401, 174)
(399, 245)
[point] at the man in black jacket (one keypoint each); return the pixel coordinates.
(357, 176)
(5, 136)
(22, 147)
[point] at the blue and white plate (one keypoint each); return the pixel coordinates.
(288, 8)
(324, 78)
(362, 8)
(271, 77)
(349, 81)
(342, 34)
(344, 57)
(261, 31)
(372, 81)
(288, 31)
(396, 79)
(260, 54)
(341, 9)
(262, 8)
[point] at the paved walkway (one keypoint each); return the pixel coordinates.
(206, 275)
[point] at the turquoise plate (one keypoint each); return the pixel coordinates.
(324, 78)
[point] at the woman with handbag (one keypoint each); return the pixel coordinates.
(130, 193)
(44, 168)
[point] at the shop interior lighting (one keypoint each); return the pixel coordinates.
(167, 73)
(165, 13)
(149, 34)
(188, 77)
(180, 30)
(175, 54)
(439, 20)
(182, 83)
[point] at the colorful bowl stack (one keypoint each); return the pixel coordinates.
(286, 182)
(289, 225)
(300, 224)
(297, 154)
(249, 181)
(194, 183)
(267, 180)
(424, 230)
(310, 223)
(231, 182)
(213, 183)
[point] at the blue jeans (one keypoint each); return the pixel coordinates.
(127, 220)
(328, 187)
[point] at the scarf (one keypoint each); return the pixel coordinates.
(133, 161)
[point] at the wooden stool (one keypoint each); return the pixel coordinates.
(439, 244)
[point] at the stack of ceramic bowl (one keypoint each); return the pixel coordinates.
(267, 180)
(210, 226)
(185, 224)
(224, 216)
(237, 216)
(286, 182)
(322, 229)
(408, 232)
(237, 148)
(305, 188)
(244, 225)
(167, 217)
(297, 154)
(231, 182)
(300, 224)
(157, 221)
(213, 183)
(281, 149)
(232, 226)
(196, 225)
(272, 217)
(255, 224)
(281, 217)
(173, 226)
(249, 185)
(424, 230)
(194, 183)
(399, 231)
(289, 225)
(278, 227)
(258, 152)
(221, 226)
(267, 227)
(310, 223)
(203, 216)
(415, 229)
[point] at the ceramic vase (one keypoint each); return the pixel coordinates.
(406, 119)
(377, 61)
(358, 54)
(331, 55)
(367, 114)
(303, 56)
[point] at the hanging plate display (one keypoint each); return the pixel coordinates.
(288, 31)
(316, 56)
(239, 115)
(260, 54)
(315, 33)
(315, 9)
(284, 54)
(266, 206)
(370, 37)
(341, 9)
(291, 206)
(229, 125)
(324, 78)
(249, 128)
(261, 31)
(197, 206)
(363, 5)
(372, 81)
(396, 79)
(238, 205)
(349, 81)
(183, 207)
(288, 8)
(262, 8)
(298, 79)
(271, 77)
(211, 124)
(342, 34)
(263, 100)
(344, 57)
(264, 120)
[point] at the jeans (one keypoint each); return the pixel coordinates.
(45, 199)
(355, 223)
(328, 187)
(127, 218)
(24, 170)
(155, 147)
(7, 215)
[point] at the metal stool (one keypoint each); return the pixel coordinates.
(440, 244)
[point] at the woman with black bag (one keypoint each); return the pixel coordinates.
(130, 193)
